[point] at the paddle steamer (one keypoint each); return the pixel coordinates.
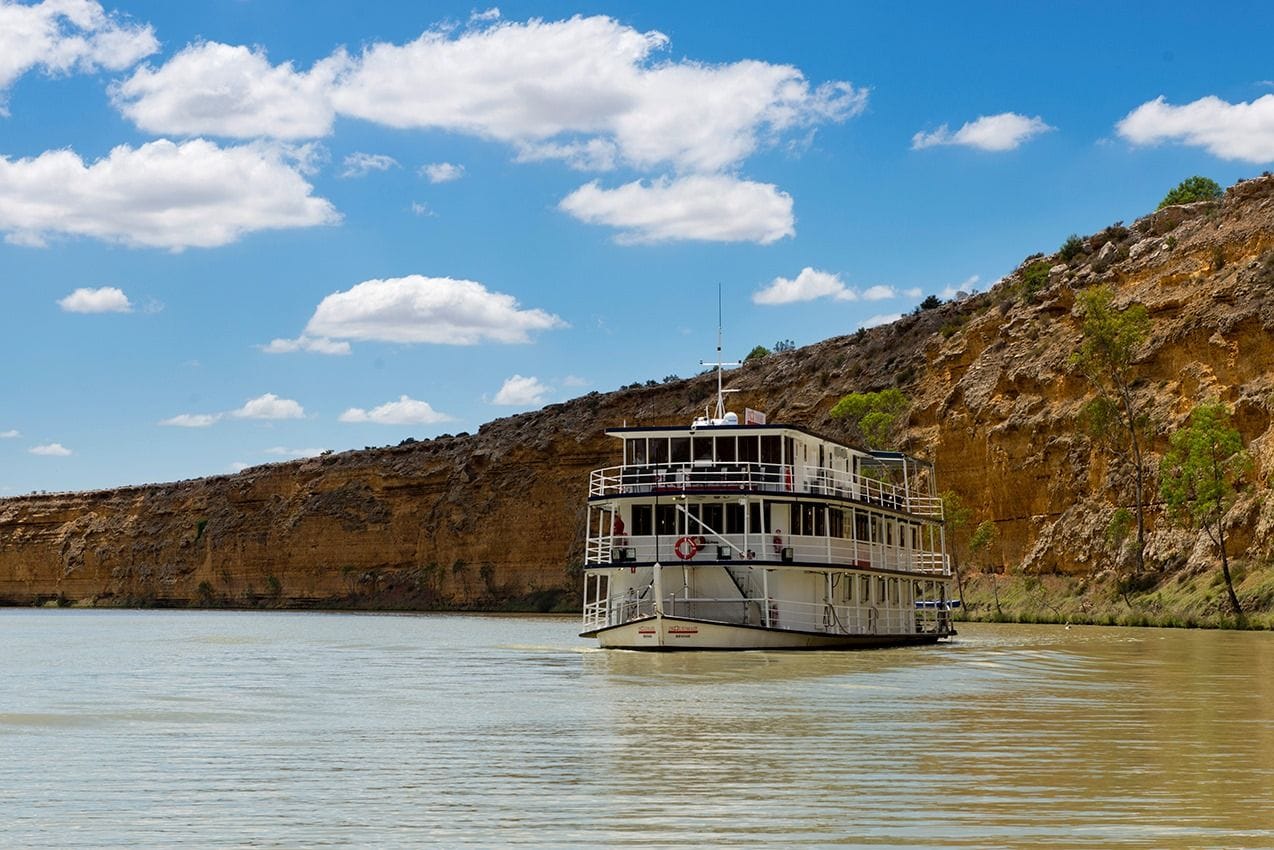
(729, 535)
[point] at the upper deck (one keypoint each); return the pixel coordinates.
(771, 459)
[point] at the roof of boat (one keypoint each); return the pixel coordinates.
(879, 454)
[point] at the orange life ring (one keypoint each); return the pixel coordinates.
(686, 548)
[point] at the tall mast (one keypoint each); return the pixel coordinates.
(720, 364)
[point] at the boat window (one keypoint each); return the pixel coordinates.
(789, 455)
(734, 518)
(864, 588)
(880, 590)
(749, 449)
(659, 450)
(703, 448)
(680, 450)
(755, 523)
(875, 529)
(714, 517)
(809, 519)
(643, 519)
(860, 525)
(637, 450)
(889, 534)
(835, 522)
(771, 449)
(668, 520)
(725, 449)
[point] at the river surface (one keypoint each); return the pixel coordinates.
(219, 729)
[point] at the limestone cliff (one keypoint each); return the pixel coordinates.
(479, 520)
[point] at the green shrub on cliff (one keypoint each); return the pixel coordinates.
(1190, 190)
(875, 415)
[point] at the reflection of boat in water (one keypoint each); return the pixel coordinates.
(686, 547)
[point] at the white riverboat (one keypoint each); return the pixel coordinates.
(724, 535)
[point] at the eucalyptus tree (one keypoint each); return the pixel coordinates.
(1199, 478)
(1110, 342)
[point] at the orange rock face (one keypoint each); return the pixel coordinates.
(482, 520)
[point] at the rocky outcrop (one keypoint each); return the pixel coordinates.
(477, 520)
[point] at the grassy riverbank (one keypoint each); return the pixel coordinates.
(1185, 599)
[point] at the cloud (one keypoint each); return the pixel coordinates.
(192, 420)
(582, 79)
(879, 292)
(709, 208)
(269, 406)
(162, 194)
(442, 172)
(1241, 131)
(880, 319)
(405, 411)
(51, 450)
(965, 286)
(806, 286)
(492, 14)
(1002, 132)
(418, 208)
(233, 91)
(64, 36)
(913, 292)
(362, 164)
(283, 451)
(320, 345)
(520, 392)
(427, 309)
(9, 435)
(574, 381)
(106, 299)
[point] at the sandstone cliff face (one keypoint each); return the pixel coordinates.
(478, 520)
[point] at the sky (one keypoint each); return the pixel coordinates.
(237, 232)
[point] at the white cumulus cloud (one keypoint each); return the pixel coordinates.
(63, 36)
(879, 292)
(521, 391)
(710, 208)
(806, 286)
(426, 309)
(405, 411)
(162, 194)
(362, 164)
(51, 450)
(234, 91)
(270, 406)
(881, 319)
(442, 172)
(316, 345)
(1241, 131)
(105, 299)
(587, 78)
(192, 420)
(10, 434)
(1002, 132)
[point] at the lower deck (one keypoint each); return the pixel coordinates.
(830, 605)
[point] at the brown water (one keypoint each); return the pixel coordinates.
(162, 729)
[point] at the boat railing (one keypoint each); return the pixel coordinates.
(743, 549)
(769, 612)
(759, 477)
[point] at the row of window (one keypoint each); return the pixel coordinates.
(817, 520)
(750, 448)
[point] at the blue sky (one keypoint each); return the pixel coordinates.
(240, 231)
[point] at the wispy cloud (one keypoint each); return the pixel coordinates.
(362, 164)
(405, 411)
(51, 450)
(1002, 132)
(442, 172)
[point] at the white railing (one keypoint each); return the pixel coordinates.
(758, 477)
(772, 612)
(736, 548)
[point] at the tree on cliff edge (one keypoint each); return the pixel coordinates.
(1199, 478)
(1110, 341)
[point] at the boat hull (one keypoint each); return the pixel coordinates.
(669, 634)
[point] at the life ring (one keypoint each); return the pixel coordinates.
(686, 548)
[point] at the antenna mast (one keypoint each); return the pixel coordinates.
(720, 364)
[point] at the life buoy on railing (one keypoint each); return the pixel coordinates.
(686, 548)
